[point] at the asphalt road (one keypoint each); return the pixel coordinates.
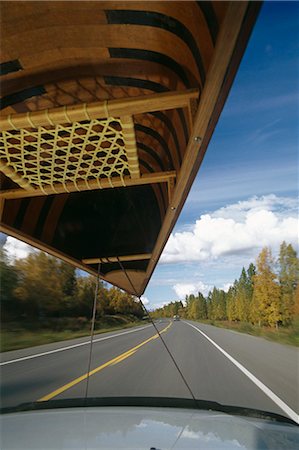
(219, 365)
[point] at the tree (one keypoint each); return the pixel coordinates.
(191, 306)
(196, 307)
(243, 293)
(231, 307)
(68, 279)
(67, 275)
(265, 308)
(202, 308)
(40, 285)
(104, 305)
(288, 278)
(193, 310)
(251, 271)
(209, 305)
(296, 302)
(217, 305)
(123, 303)
(85, 292)
(8, 283)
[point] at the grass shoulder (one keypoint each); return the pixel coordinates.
(17, 335)
(283, 335)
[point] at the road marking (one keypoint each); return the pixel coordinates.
(292, 414)
(113, 361)
(62, 349)
(120, 359)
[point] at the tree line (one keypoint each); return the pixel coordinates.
(266, 294)
(40, 286)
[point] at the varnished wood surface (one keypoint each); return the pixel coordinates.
(57, 54)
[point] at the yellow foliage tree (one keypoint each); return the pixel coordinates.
(265, 306)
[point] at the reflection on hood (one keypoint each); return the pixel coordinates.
(143, 428)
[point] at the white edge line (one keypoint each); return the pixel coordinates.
(292, 414)
(37, 355)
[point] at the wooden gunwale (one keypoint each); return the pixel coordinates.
(205, 120)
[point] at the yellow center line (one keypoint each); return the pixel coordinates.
(113, 361)
(120, 359)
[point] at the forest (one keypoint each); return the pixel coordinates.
(44, 299)
(266, 294)
(41, 294)
(41, 286)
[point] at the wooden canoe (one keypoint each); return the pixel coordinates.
(107, 110)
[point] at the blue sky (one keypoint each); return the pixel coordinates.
(247, 186)
(245, 195)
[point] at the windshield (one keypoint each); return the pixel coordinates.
(218, 321)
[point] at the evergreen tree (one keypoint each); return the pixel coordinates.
(244, 290)
(202, 306)
(251, 271)
(222, 305)
(209, 306)
(231, 302)
(288, 278)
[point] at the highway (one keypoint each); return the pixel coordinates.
(219, 365)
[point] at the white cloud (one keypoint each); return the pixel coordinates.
(183, 289)
(226, 287)
(159, 305)
(144, 300)
(16, 249)
(282, 206)
(212, 440)
(243, 227)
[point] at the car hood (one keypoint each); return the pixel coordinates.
(142, 428)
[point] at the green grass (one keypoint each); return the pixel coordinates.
(282, 335)
(15, 336)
